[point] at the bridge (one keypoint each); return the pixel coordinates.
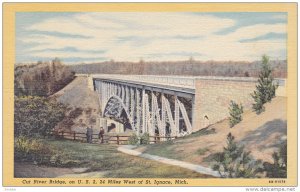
(171, 105)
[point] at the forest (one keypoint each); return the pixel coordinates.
(41, 78)
(189, 67)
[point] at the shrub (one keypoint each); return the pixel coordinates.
(145, 139)
(234, 162)
(35, 150)
(36, 116)
(278, 169)
(133, 139)
(235, 112)
(265, 89)
(27, 149)
(202, 151)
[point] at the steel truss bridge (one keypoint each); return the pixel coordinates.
(169, 105)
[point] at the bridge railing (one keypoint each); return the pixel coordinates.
(169, 80)
(181, 81)
(111, 139)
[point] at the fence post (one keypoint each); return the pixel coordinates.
(118, 142)
(74, 136)
(62, 134)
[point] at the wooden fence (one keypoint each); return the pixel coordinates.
(107, 138)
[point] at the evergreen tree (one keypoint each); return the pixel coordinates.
(277, 169)
(265, 89)
(235, 111)
(234, 162)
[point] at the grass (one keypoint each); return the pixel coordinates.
(164, 149)
(201, 132)
(202, 151)
(109, 162)
(169, 149)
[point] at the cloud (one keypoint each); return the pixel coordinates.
(59, 34)
(152, 36)
(253, 31)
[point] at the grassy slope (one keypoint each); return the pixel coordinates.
(106, 161)
(260, 134)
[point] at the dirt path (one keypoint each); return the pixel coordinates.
(129, 149)
(29, 170)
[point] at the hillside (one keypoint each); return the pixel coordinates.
(77, 94)
(42, 78)
(261, 134)
(83, 102)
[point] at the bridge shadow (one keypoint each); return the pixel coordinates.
(261, 135)
(264, 132)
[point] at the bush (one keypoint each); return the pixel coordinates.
(145, 139)
(202, 151)
(133, 139)
(235, 112)
(234, 162)
(278, 169)
(27, 149)
(36, 151)
(36, 116)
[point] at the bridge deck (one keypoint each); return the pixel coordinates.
(174, 81)
(179, 83)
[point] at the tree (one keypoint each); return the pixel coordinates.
(191, 60)
(42, 79)
(36, 116)
(277, 169)
(265, 89)
(235, 111)
(234, 162)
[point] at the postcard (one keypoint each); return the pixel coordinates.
(150, 94)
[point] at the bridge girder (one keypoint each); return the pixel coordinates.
(146, 112)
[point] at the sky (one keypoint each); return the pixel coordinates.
(89, 37)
